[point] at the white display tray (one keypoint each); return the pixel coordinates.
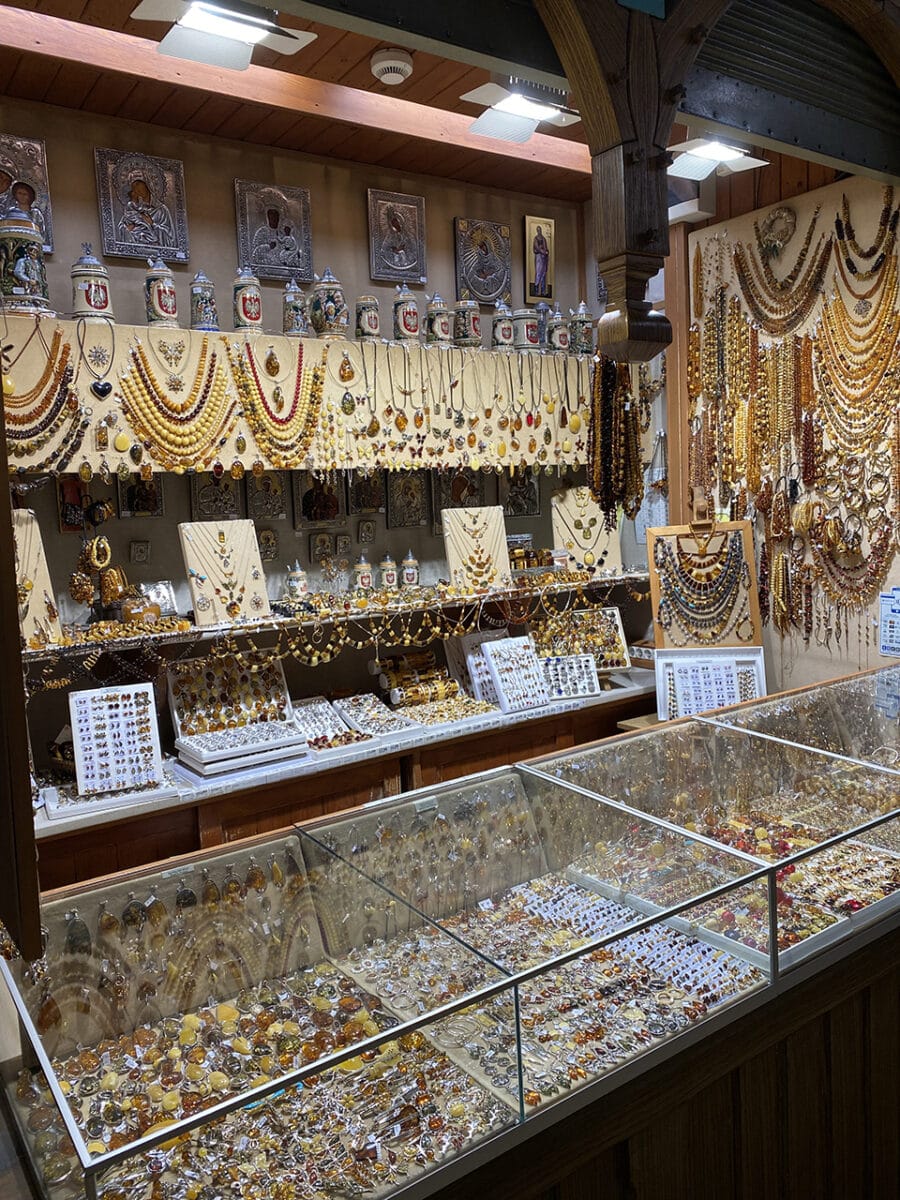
(716, 659)
(333, 722)
(267, 753)
(278, 734)
(58, 811)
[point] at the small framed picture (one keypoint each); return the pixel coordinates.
(268, 545)
(365, 532)
(342, 545)
(520, 494)
(366, 493)
(483, 261)
(140, 497)
(540, 259)
(267, 496)
(161, 592)
(71, 495)
(460, 487)
(273, 230)
(215, 498)
(24, 184)
(407, 499)
(142, 205)
(318, 500)
(321, 546)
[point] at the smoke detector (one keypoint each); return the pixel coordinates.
(391, 66)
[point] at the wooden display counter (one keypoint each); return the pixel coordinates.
(111, 842)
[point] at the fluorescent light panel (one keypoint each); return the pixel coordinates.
(223, 22)
(718, 151)
(521, 106)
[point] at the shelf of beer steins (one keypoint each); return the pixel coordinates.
(829, 825)
(67, 812)
(856, 718)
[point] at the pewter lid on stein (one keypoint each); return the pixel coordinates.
(436, 302)
(404, 294)
(581, 311)
(326, 277)
(88, 258)
(245, 273)
(157, 264)
(201, 277)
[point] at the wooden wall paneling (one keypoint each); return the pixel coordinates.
(794, 176)
(32, 78)
(270, 127)
(761, 1121)
(742, 197)
(882, 1064)
(768, 188)
(72, 85)
(179, 108)
(247, 117)
(820, 176)
(688, 1151)
(808, 1110)
(848, 1057)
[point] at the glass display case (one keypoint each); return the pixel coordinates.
(828, 823)
(348, 1007)
(856, 718)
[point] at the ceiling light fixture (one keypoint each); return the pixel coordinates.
(513, 112)
(700, 157)
(220, 33)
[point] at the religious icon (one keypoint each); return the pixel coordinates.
(24, 184)
(366, 492)
(396, 237)
(407, 499)
(459, 487)
(483, 261)
(318, 499)
(520, 494)
(215, 497)
(273, 230)
(267, 496)
(540, 257)
(142, 205)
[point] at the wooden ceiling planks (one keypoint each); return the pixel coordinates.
(335, 56)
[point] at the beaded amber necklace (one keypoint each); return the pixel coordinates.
(180, 434)
(284, 440)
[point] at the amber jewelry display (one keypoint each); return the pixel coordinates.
(475, 545)
(116, 740)
(38, 613)
(594, 631)
(180, 433)
(224, 570)
(226, 693)
(579, 528)
(283, 426)
(516, 672)
(703, 585)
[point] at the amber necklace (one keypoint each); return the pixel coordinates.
(283, 438)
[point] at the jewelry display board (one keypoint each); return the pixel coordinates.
(516, 673)
(208, 695)
(322, 727)
(38, 614)
(703, 585)
(115, 739)
(370, 715)
(479, 673)
(475, 545)
(224, 571)
(594, 631)
(110, 397)
(690, 681)
(580, 529)
(571, 675)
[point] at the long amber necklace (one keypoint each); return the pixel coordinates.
(182, 434)
(284, 440)
(779, 314)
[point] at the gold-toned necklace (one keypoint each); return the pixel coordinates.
(283, 437)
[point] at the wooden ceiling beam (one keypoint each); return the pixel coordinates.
(70, 42)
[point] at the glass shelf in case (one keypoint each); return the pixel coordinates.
(178, 1015)
(828, 825)
(856, 718)
(556, 888)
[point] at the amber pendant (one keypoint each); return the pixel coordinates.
(373, 428)
(133, 914)
(107, 924)
(48, 1014)
(185, 897)
(209, 894)
(271, 363)
(255, 878)
(345, 370)
(348, 404)
(157, 913)
(276, 871)
(419, 419)
(401, 422)
(78, 938)
(240, 443)
(237, 469)
(232, 889)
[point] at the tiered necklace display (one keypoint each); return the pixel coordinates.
(476, 549)
(703, 593)
(180, 434)
(283, 430)
(224, 571)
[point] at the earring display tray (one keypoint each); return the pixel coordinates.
(115, 739)
(479, 673)
(516, 673)
(694, 681)
(224, 571)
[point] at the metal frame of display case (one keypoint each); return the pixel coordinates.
(862, 927)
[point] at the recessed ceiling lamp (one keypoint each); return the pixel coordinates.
(220, 34)
(699, 157)
(391, 66)
(514, 112)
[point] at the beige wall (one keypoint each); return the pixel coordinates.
(337, 202)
